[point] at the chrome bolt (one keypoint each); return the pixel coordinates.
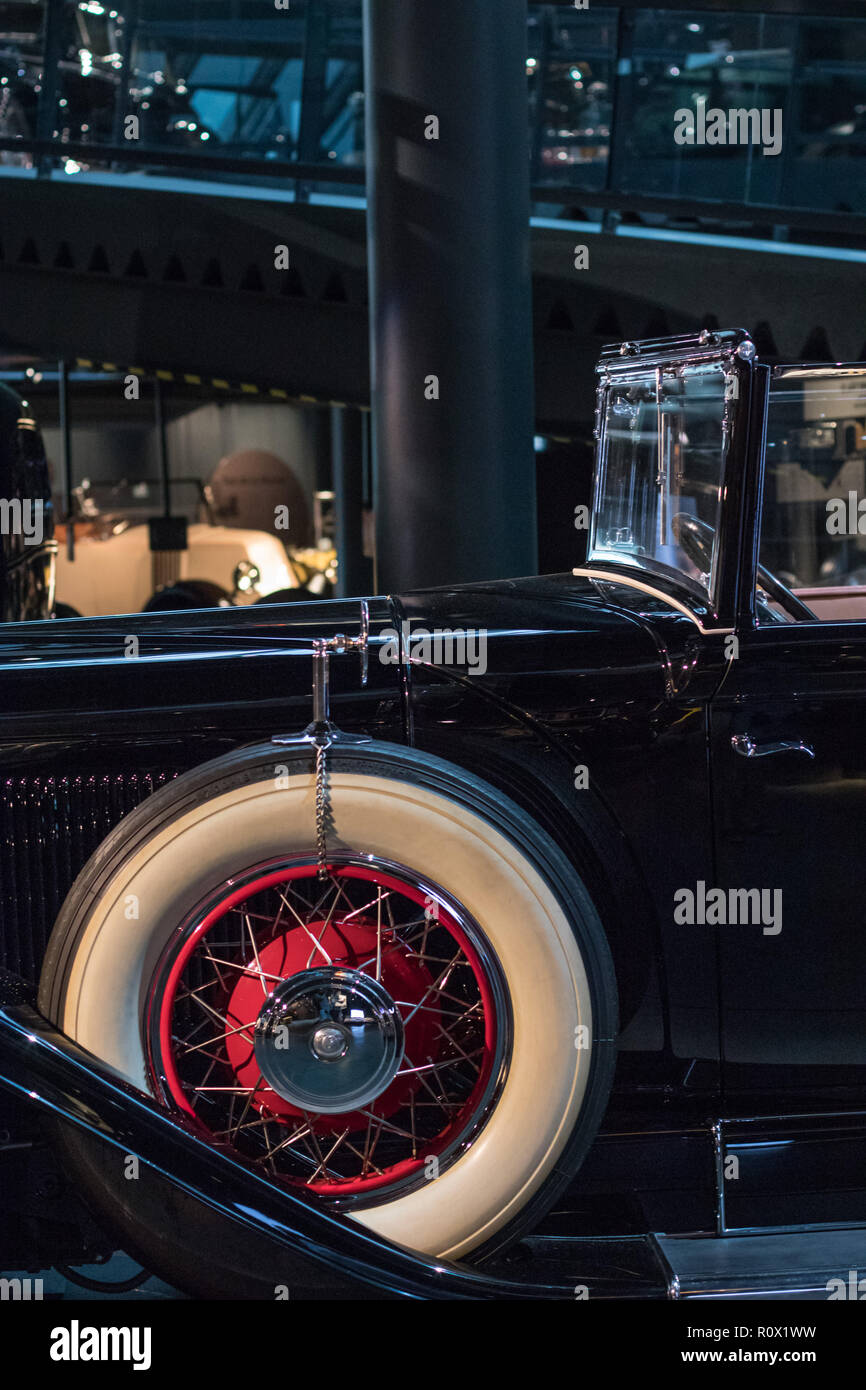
(329, 1043)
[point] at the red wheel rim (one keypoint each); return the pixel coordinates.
(280, 921)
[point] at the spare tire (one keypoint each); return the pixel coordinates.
(417, 1023)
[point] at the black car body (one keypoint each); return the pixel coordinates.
(674, 732)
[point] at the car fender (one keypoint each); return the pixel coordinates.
(520, 758)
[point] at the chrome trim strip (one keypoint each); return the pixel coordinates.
(795, 371)
(656, 593)
(48, 547)
(677, 350)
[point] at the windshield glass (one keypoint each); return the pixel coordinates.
(660, 472)
(814, 528)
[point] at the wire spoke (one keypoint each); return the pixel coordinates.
(317, 946)
(366, 906)
(386, 1124)
(325, 925)
(258, 969)
(373, 1138)
(292, 1139)
(213, 1012)
(237, 1090)
(419, 1072)
(322, 1160)
(194, 993)
(332, 1150)
(399, 942)
(243, 969)
(365, 1159)
(441, 1066)
(429, 1008)
(379, 936)
(435, 985)
(187, 1047)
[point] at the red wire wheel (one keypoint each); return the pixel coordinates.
(349, 1032)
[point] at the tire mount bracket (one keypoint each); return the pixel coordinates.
(321, 733)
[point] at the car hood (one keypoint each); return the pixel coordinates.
(547, 648)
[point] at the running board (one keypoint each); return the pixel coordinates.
(809, 1265)
(813, 1265)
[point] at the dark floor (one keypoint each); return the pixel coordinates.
(56, 1286)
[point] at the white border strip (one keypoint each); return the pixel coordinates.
(656, 593)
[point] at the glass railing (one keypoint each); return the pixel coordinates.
(246, 90)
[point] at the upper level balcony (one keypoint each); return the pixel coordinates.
(262, 95)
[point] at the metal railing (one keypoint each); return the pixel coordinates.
(254, 94)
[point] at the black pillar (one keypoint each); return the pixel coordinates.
(162, 446)
(66, 454)
(121, 95)
(56, 16)
(450, 290)
(313, 88)
(354, 573)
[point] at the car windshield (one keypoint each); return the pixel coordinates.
(660, 472)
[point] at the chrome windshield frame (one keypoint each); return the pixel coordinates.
(734, 351)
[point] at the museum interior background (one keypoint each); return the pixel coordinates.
(150, 248)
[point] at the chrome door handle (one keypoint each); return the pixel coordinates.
(748, 747)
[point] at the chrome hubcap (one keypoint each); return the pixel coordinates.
(329, 1040)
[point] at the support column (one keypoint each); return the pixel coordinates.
(354, 573)
(66, 454)
(450, 290)
(313, 89)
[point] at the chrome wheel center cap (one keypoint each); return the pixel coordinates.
(329, 1040)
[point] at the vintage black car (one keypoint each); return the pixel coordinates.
(500, 939)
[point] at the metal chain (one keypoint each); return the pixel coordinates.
(321, 727)
(321, 807)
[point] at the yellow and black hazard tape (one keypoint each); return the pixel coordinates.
(216, 383)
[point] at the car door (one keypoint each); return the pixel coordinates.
(788, 734)
(788, 741)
